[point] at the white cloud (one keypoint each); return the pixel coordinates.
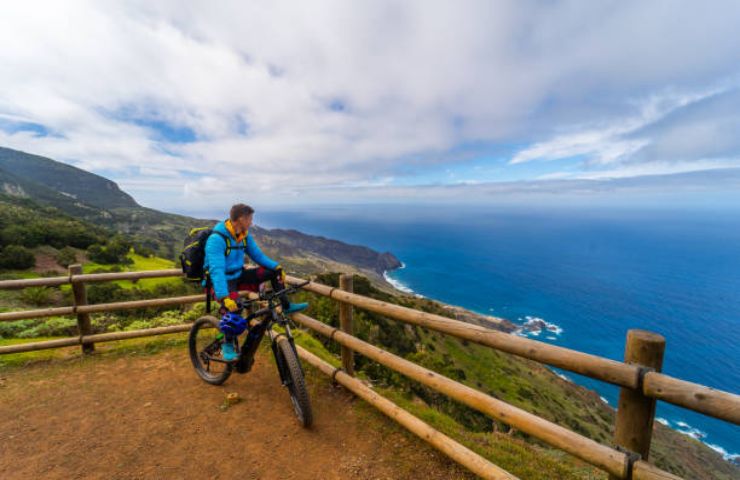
(255, 81)
(611, 143)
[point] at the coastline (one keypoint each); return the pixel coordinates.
(531, 326)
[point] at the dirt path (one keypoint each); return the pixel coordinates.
(141, 417)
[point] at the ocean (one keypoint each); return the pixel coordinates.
(589, 275)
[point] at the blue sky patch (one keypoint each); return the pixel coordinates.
(11, 127)
(167, 132)
(337, 105)
(160, 128)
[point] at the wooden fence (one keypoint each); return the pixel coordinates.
(639, 375)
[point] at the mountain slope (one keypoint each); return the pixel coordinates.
(16, 186)
(100, 201)
(76, 183)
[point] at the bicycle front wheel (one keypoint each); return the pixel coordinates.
(204, 344)
(292, 376)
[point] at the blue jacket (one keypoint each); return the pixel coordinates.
(222, 267)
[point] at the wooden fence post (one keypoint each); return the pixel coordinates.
(636, 412)
(80, 297)
(345, 324)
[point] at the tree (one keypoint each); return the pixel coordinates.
(66, 256)
(17, 257)
(115, 251)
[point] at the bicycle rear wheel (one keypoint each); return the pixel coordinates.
(204, 344)
(292, 376)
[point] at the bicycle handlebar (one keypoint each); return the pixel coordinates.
(271, 296)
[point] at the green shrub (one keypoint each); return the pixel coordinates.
(166, 319)
(106, 292)
(66, 256)
(14, 329)
(39, 296)
(115, 251)
(17, 257)
(52, 326)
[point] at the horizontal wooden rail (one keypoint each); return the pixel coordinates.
(29, 314)
(98, 337)
(105, 307)
(593, 366)
(88, 278)
(33, 282)
(46, 344)
(142, 274)
(100, 307)
(709, 401)
(594, 453)
(715, 403)
(457, 452)
(601, 456)
(130, 305)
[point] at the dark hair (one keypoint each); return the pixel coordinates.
(240, 210)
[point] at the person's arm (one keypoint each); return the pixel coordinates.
(216, 261)
(254, 252)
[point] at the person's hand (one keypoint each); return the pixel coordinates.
(230, 304)
(280, 274)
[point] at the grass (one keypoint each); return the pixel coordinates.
(140, 263)
(18, 274)
(513, 454)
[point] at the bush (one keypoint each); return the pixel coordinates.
(106, 292)
(66, 256)
(52, 327)
(39, 296)
(116, 251)
(29, 235)
(17, 257)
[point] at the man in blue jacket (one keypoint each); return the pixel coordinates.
(224, 262)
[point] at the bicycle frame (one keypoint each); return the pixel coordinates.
(257, 332)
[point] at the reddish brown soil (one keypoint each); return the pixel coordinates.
(47, 263)
(141, 417)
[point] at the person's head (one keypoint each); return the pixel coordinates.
(241, 217)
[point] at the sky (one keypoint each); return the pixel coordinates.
(187, 104)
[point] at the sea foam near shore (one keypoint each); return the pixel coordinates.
(399, 285)
(531, 326)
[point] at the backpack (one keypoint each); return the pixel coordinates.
(193, 253)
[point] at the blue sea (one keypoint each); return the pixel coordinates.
(589, 274)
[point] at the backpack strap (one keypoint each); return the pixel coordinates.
(229, 248)
(209, 285)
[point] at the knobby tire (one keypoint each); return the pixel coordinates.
(296, 383)
(202, 327)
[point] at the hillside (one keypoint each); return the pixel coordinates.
(97, 201)
(80, 185)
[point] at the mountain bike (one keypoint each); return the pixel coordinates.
(205, 343)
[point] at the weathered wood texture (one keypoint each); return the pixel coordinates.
(715, 403)
(636, 412)
(592, 366)
(584, 448)
(40, 313)
(345, 324)
(98, 337)
(84, 327)
(459, 453)
(709, 401)
(88, 277)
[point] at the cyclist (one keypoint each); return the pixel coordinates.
(224, 262)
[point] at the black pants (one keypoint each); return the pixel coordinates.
(251, 278)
